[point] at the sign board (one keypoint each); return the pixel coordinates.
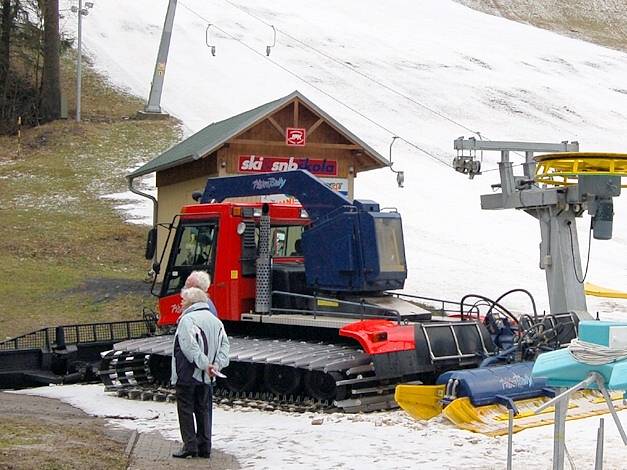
(295, 136)
(268, 164)
(339, 185)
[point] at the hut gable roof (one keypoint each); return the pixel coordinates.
(214, 136)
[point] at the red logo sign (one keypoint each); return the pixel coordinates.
(295, 137)
(269, 164)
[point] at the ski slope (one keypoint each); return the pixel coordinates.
(463, 70)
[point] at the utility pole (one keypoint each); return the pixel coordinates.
(81, 12)
(153, 107)
(78, 61)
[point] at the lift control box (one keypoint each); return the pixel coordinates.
(604, 333)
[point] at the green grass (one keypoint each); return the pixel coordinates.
(56, 231)
(17, 434)
(26, 444)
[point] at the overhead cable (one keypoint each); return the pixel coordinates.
(316, 87)
(359, 72)
(367, 77)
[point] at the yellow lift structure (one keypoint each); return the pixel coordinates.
(563, 169)
(598, 291)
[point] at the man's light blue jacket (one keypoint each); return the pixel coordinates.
(196, 318)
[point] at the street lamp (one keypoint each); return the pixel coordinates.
(81, 12)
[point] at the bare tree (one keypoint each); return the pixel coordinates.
(51, 87)
(6, 26)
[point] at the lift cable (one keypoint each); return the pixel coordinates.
(368, 77)
(359, 72)
(316, 87)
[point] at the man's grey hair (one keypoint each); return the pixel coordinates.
(198, 279)
(192, 295)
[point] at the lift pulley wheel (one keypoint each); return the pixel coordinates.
(563, 169)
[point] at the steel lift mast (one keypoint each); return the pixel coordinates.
(568, 184)
(153, 107)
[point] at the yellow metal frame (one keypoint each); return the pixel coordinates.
(492, 420)
(563, 169)
(424, 402)
(420, 401)
(598, 291)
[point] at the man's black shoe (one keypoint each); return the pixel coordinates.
(204, 455)
(184, 454)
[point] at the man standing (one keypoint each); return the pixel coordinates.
(201, 280)
(201, 349)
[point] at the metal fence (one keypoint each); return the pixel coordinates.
(46, 338)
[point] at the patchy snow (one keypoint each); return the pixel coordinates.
(390, 440)
(136, 209)
(504, 79)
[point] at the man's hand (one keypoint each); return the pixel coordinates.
(214, 371)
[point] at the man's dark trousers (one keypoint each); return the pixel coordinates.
(195, 401)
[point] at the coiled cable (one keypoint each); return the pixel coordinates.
(595, 354)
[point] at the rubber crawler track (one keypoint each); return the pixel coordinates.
(128, 370)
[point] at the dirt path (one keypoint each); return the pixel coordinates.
(38, 433)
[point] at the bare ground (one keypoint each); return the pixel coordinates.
(47, 434)
(100, 289)
(41, 433)
(602, 22)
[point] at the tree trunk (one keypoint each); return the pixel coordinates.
(51, 86)
(5, 41)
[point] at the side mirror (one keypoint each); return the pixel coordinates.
(151, 243)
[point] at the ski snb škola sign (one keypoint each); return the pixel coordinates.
(325, 169)
(269, 164)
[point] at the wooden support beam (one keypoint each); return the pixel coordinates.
(256, 142)
(295, 113)
(334, 146)
(309, 145)
(314, 126)
(276, 126)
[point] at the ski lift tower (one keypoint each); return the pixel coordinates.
(555, 188)
(153, 107)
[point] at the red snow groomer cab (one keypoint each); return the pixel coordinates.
(303, 291)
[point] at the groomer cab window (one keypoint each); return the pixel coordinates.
(390, 246)
(285, 241)
(194, 249)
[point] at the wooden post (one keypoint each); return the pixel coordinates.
(222, 161)
(295, 113)
(19, 136)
